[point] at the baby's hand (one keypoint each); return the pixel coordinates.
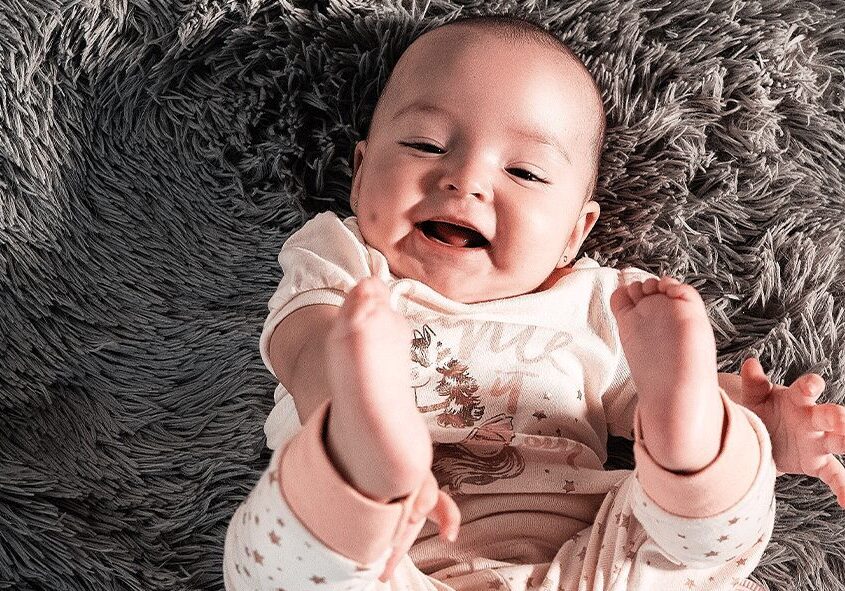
(805, 435)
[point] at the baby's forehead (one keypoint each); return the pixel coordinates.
(452, 59)
(430, 56)
(448, 43)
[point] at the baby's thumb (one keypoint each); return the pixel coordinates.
(756, 386)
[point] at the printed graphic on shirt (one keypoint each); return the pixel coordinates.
(475, 442)
(457, 387)
(482, 456)
(506, 405)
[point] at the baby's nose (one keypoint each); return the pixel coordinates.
(468, 178)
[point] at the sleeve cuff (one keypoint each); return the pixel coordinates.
(716, 487)
(338, 515)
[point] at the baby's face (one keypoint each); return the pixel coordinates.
(491, 134)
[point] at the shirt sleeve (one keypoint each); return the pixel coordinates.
(321, 262)
(620, 397)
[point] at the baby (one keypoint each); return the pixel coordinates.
(448, 358)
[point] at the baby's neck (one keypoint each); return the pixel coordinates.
(553, 277)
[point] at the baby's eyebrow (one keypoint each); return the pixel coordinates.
(534, 135)
(541, 137)
(422, 107)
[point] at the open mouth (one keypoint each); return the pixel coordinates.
(452, 234)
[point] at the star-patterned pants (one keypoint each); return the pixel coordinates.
(633, 544)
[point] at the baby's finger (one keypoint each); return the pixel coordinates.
(405, 536)
(832, 473)
(810, 385)
(828, 417)
(403, 544)
(428, 503)
(756, 386)
(833, 443)
(440, 508)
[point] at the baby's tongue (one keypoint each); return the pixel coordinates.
(451, 234)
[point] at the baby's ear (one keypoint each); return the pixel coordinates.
(586, 220)
(589, 216)
(358, 155)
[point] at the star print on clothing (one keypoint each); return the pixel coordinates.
(259, 559)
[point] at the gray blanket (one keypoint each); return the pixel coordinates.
(155, 155)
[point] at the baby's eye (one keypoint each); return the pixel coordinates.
(424, 147)
(527, 175)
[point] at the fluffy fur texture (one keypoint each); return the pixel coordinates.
(154, 157)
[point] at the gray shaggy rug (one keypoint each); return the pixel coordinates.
(155, 155)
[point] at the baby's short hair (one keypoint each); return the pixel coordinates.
(524, 29)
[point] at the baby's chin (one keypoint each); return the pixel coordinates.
(469, 280)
